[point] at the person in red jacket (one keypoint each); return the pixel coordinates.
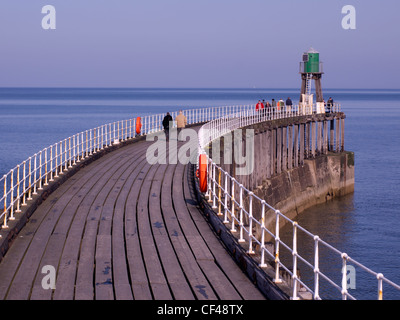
(259, 105)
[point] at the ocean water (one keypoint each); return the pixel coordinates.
(365, 224)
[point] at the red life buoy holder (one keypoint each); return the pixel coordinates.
(138, 125)
(202, 173)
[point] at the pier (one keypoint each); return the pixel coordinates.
(111, 225)
(120, 228)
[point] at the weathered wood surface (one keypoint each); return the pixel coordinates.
(121, 228)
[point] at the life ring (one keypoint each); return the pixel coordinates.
(138, 125)
(202, 173)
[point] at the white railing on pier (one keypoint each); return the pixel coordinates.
(227, 197)
(20, 184)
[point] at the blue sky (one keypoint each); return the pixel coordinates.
(197, 43)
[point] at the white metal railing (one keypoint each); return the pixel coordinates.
(228, 199)
(25, 180)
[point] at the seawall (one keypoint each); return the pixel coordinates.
(298, 162)
(318, 180)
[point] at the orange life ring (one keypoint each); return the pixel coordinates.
(138, 125)
(202, 173)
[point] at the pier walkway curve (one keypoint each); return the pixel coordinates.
(121, 228)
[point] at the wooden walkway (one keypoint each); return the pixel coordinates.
(121, 228)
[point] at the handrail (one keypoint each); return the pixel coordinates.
(23, 181)
(235, 210)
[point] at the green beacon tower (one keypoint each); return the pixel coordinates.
(311, 69)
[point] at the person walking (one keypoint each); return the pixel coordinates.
(329, 105)
(181, 122)
(273, 105)
(281, 104)
(259, 106)
(268, 109)
(167, 121)
(289, 104)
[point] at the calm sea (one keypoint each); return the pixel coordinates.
(365, 225)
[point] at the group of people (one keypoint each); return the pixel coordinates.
(181, 122)
(274, 105)
(262, 105)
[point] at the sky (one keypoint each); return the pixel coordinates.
(197, 43)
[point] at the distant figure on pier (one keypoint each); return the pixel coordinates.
(289, 105)
(259, 105)
(267, 109)
(166, 122)
(273, 105)
(281, 104)
(181, 122)
(329, 105)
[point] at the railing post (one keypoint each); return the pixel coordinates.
(226, 200)
(251, 251)
(30, 180)
(23, 187)
(277, 239)
(316, 268)
(294, 253)
(12, 196)
(18, 190)
(34, 173)
(219, 192)
(233, 229)
(45, 168)
(40, 171)
(344, 276)
(214, 196)
(263, 264)
(65, 156)
(61, 158)
(379, 276)
(5, 203)
(241, 239)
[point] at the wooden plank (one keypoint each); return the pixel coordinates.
(137, 271)
(174, 274)
(153, 264)
(103, 273)
(196, 278)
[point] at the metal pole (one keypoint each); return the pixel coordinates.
(233, 229)
(316, 268)
(344, 276)
(294, 253)
(251, 224)
(219, 192)
(241, 239)
(277, 278)
(5, 203)
(379, 276)
(263, 264)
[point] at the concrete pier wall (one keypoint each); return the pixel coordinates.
(298, 162)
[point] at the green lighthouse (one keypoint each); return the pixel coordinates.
(311, 69)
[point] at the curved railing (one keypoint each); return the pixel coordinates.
(23, 181)
(228, 195)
